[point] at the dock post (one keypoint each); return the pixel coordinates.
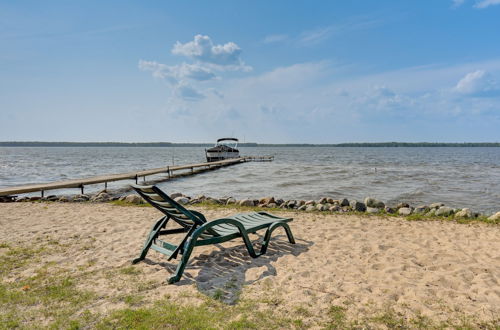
(168, 171)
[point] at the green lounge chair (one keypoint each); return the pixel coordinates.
(199, 231)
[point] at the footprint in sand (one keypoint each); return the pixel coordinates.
(385, 247)
(377, 266)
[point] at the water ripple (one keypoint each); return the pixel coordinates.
(460, 177)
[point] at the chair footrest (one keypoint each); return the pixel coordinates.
(165, 245)
(161, 250)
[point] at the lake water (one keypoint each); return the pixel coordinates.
(458, 177)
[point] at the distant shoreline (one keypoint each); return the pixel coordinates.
(171, 144)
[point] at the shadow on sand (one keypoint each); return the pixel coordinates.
(223, 272)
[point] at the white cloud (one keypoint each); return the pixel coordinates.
(177, 73)
(480, 4)
(186, 78)
(307, 93)
(216, 93)
(180, 77)
(383, 91)
(321, 34)
(486, 3)
(158, 70)
(313, 102)
(269, 110)
(310, 102)
(297, 75)
(316, 35)
(194, 71)
(188, 93)
(477, 83)
(274, 38)
(386, 100)
(202, 49)
(457, 3)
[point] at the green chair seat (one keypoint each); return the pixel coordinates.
(251, 221)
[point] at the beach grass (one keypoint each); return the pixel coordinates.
(43, 295)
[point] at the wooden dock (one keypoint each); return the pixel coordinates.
(169, 171)
(259, 158)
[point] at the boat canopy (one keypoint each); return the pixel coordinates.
(227, 139)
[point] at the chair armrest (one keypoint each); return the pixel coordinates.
(199, 215)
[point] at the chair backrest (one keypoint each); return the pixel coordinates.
(157, 198)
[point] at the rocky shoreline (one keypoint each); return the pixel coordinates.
(369, 205)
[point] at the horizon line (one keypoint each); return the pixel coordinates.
(166, 143)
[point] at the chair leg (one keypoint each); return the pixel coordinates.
(183, 263)
(289, 234)
(249, 245)
(180, 247)
(149, 240)
(267, 236)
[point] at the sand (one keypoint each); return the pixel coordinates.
(437, 269)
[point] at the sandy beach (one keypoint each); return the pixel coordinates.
(365, 265)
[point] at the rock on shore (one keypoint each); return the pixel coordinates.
(358, 206)
(404, 211)
(375, 203)
(370, 205)
(444, 211)
(495, 217)
(464, 213)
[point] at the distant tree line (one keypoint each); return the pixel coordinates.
(170, 144)
(420, 144)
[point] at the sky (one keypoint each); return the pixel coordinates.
(261, 71)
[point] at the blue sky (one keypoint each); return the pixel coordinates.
(263, 71)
